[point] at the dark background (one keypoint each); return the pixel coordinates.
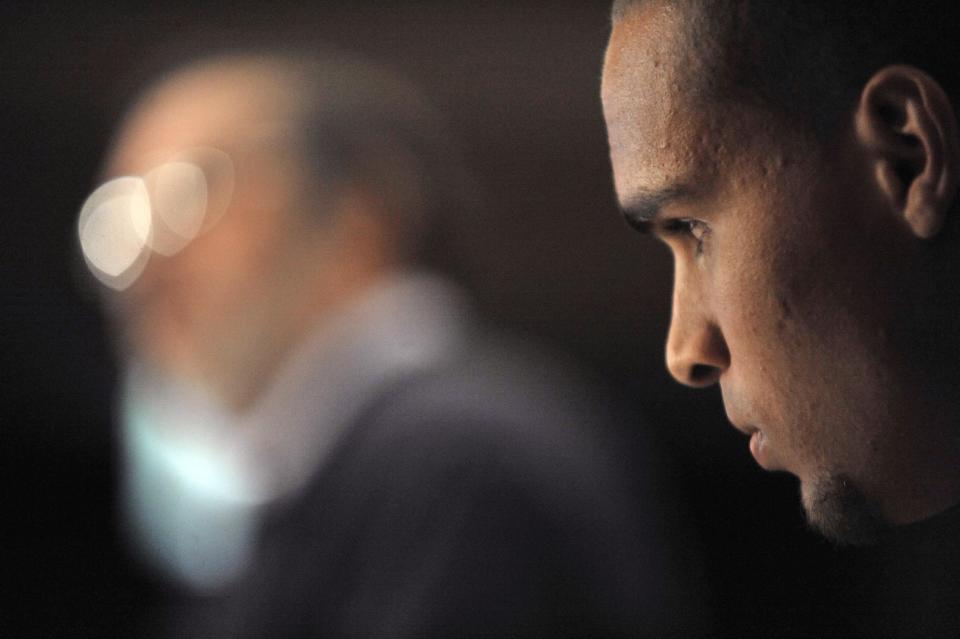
(520, 83)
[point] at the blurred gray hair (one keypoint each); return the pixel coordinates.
(365, 126)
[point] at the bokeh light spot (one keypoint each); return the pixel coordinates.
(115, 227)
(178, 193)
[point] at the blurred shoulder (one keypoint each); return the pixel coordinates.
(504, 405)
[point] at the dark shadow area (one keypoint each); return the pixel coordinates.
(520, 83)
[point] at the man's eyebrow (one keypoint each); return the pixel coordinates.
(643, 208)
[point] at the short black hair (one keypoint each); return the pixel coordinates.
(809, 59)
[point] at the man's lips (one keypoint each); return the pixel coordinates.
(758, 446)
(757, 441)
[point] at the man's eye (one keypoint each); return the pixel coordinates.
(694, 229)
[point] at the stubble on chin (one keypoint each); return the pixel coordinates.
(837, 509)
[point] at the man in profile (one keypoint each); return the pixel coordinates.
(801, 161)
(318, 435)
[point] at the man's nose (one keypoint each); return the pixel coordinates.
(696, 351)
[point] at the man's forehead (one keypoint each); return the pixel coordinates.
(660, 139)
(204, 107)
(639, 74)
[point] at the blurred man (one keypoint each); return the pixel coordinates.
(801, 161)
(317, 435)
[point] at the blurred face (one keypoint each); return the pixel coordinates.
(780, 292)
(221, 311)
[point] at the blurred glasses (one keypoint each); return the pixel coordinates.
(128, 218)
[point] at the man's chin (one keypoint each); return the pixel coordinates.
(837, 509)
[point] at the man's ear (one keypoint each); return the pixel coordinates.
(909, 128)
